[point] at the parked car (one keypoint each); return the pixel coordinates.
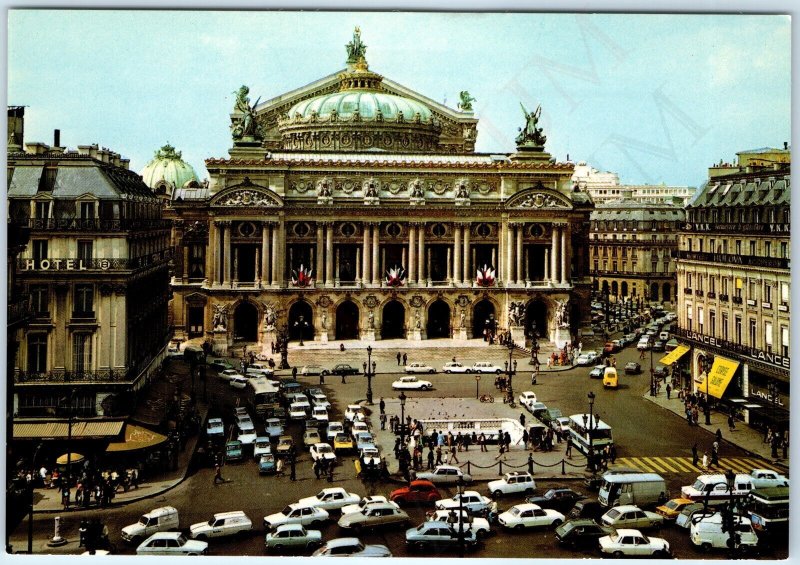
(512, 483)
(322, 451)
(626, 542)
(228, 374)
(581, 533)
(630, 516)
(418, 367)
(561, 499)
(310, 437)
(437, 534)
(661, 372)
(560, 425)
(689, 512)
(332, 498)
(320, 414)
(478, 525)
(220, 525)
(527, 398)
(633, 368)
(262, 446)
(292, 536)
(597, 372)
(334, 429)
(644, 343)
(319, 400)
(233, 450)
(298, 411)
(296, 513)
(415, 492)
(547, 416)
(486, 367)
(215, 428)
(344, 369)
(220, 365)
(444, 475)
(285, 444)
(312, 370)
(672, 508)
(470, 499)
(343, 442)
(586, 358)
(374, 515)
(610, 347)
(266, 464)
(171, 543)
(456, 367)
(411, 383)
(708, 533)
(157, 520)
(628, 339)
(351, 547)
(659, 345)
(259, 370)
(353, 411)
(364, 502)
(526, 515)
(237, 382)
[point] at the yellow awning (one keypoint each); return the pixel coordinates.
(674, 355)
(73, 458)
(721, 373)
(60, 429)
(136, 437)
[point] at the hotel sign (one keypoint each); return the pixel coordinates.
(57, 265)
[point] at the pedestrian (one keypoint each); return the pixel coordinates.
(507, 440)
(218, 474)
(719, 435)
(767, 434)
(731, 424)
(695, 415)
(430, 458)
(316, 467)
(322, 378)
(530, 463)
(383, 420)
(705, 460)
(501, 452)
(438, 454)
(694, 454)
(453, 456)
(714, 455)
(382, 406)
(669, 390)
(569, 448)
(522, 420)
(482, 442)
(279, 467)
(459, 441)
(292, 469)
(776, 440)
(399, 358)
(294, 373)
(612, 453)
(785, 446)
(405, 359)
(65, 496)
(344, 382)
(525, 438)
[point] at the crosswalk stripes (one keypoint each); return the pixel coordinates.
(682, 465)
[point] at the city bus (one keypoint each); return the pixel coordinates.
(261, 394)
(768, 510)
(579, 432)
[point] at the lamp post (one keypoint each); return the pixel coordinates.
(302, 325)
(729, 519)
(402, 398)
(652, 374)
(460, 533)
(369, 372)
(590, 462)
(477, 381)
(511, 370)
(707, 404)
(534, 345)
(30, 499)
(283, 346)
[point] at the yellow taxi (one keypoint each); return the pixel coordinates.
(673, 508)
(343, 442)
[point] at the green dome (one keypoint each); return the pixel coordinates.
(168, 168)
(367, 102)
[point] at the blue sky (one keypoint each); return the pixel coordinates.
(656, 98)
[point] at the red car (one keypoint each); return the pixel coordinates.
(610, 347)
(416, 492)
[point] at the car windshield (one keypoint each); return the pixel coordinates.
(342, 437)
(261, 444)
(549, 494)
(613, 514)
(672, 505)
(698, 485)
(514, 511)
(323, 449)
(181, 539)
(286, 511)
(321, 494)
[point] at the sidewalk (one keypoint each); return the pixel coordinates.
(743, 436)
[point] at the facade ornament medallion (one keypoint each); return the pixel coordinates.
(539, 200)
(371, 301)
(247, 198)
(417, 301)
(325, 190)
(324, 301)
(463, 300)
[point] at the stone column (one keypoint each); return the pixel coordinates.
(338, 270)
(456, 275)
(212, 255)
(564, 251)
(274, 276)
(428, 262)
(185, 263)
(320, 255)
(227, 253)
(365, 254)
(519, 266)
(358, 265)
(554, 256)
(384, 267)
(494, 259)
(412, 253)
(256, 268)
(265, 253)
(449, 265)
(546, 264)
(469, 265)
(509, 256)
(376, 228)
(404, 260)
(421, 254)
(474, 266)
(329, 254)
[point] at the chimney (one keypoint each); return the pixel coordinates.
(785, 145)
(125, 163)
(57, 138)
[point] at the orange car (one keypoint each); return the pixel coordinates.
(673, 508)
(416, 492)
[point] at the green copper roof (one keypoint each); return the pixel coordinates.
(168, 166)
(368, 103)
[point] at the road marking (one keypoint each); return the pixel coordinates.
(683, 465)
(657, 464)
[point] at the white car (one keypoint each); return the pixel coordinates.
(411, 383)
(221, 525)
(480, 526)
(512, 483)
(470, 499)
(586, 358)
(171, 543)
(300, 398)
(238, 382)
(215, 427)
(353, 410)
(357, 428)
(419, 368)
(322, 451)
(320, 414)
(298, 411)
(633, 542)
(260, 368)
(228, 374)
(486, 367)
(318, 399)
(262, 446)
(292, 536)
(297, 513)
(334, 429)
(247, 438)
(366, 501)
(529, 516)
(630, 516)
(444, 474)
(597, 372)
(245, 423)
(560, 425)
(527, 398)
(311, 370)
(332, 498)
(370, 455)
(455, 367)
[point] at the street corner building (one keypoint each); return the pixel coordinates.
(356, 208)
(734, 286)
(88, 289)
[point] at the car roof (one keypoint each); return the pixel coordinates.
(230, 514)
(628, 532)
(527, 506)
(626, 507)
(338, 542)
(290, 527)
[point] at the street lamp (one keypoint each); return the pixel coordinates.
(402, 398)
(729, 519)
(302, 324)
(703, 362)
(590, 462)
(460, 533)
(369, 372)
(30, 499)
(652, 374)
(511, 370)
(283, 347)
(534, 345)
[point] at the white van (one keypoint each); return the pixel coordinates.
(158, 520)
(707, 533)
(221, 524)
(715, 487)
(641, 489)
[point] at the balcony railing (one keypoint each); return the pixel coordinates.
(70, 377)
(737, 299)
(712, 295)
(95, 225)
(19, 310)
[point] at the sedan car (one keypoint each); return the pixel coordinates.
(245, 423)
(262, 446)
(586, 358)
(310, 437)
(480, 526)
(373, 516)
(215, 428)
(220, 364)
(561, 499)
(332, 498)
(353, 411)
(273, 427)
(512, 483)
(334, 429)
(292, 536)
(296, 513)
(470, 499)
(343, 442)
(411, 383)
(266, 464)
(626, 542)
(312, 370)
(581, 533)
(630, 516)
(486, 367)
(415, 492)
(444, 474)
(171, 543)
(659, 345)
(672, 509)
(285, 444)
(351, 547)
(366, 501)
(419, 368)
(320, 414)
(661, 372)
(319, 399)
(527, 515)
(455, 367)
(689, 512)
(527, 398)
(298, 411)
(322, 451)
(437, 534)
(633, 368)
(597, 372)
(238, 382)
(233, 450)
(228, 374)
(344, 369)
(560, 425)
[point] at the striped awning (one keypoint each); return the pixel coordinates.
(60, 429)
(136, 437)
(674, 355)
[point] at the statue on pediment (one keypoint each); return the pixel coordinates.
(246, 126)
(531, 135)
(466, 101)
(356, 50)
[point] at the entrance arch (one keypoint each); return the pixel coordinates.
(654, 292)
(301, 320)
(483, 317)
(245, 322)
(393, 321)
(665, 293)
(536, 312)
(347, 320)
(624, 289)
(438, 320)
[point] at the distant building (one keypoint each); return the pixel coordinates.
(96, 276)
(168, 171)
(605, 186)
(734, 285)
